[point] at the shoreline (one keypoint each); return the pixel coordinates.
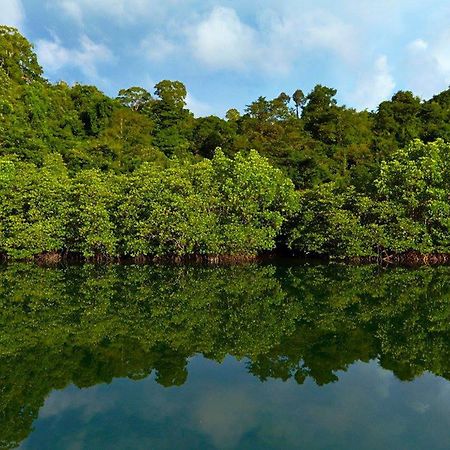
(406, 259)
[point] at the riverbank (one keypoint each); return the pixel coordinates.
(409, 259)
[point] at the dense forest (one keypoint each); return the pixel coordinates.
(138, 175)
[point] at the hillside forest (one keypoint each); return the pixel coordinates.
(139, 175)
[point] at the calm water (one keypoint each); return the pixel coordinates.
(271, 356)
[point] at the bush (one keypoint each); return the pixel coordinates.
(33, 207)
(221, 206)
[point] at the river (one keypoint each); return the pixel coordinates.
(276, 355)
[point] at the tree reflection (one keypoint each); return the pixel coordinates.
(90, 324)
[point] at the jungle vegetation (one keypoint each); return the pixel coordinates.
(138, 175)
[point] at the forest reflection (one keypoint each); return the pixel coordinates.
(90, 324)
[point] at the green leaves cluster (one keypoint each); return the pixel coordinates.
(414, 186)
(332, 221)
(409, 210)
(34, 207)
(222, 206)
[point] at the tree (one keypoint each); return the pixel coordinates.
(171, 93)
(280, 107)
(210, 133)
(94, 108)
(136, 98)
(222, 206)
(299, 100)
(413, 187)
(397, 122)
(321, 115)
(33, 207)
(173, 122)
(92, 228)
(129, 136)
(17, 58)
(434, 116)
(330, 221)
(233, 115)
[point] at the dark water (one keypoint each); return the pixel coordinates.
(272, 356)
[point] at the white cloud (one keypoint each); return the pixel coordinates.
(428, 65)
(157, 47)
(226, 414)
(122, 11)
(418, 45)
(89, 401)
(72, 9)
(54, 56)
(294, 42)
(11, 13)
(375, 86)
(222, 41)
(325, 31)
(302, 31)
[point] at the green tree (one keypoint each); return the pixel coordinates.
(299, 101)
(17, 58)
(397, 122)
(136, 98)
(415, 209)
(33, 207)
(94, 198)
(219, 207)
(332, 222)
(211, 132)
(172, 93)
(94, 108)
(173, 122)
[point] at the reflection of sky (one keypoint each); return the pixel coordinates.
(221, 406)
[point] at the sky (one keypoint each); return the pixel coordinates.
(228, 53)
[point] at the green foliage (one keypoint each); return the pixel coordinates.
(410, 210)
(164, 213)
(93, 198)
(171, 93)
(33, 207)
(299, 101)
(330, 221)
(173, 122)
(211, 132)
(255, 201)
(135, 98)
(414, 187)
(94, 108)
(219, 207)
(129, 141)
(397, 121)
(17, 59)
(363, 187)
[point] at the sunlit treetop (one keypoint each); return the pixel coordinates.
(17, 58)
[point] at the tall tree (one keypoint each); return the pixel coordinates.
(17, 58)
(135, 98)
(299, 101)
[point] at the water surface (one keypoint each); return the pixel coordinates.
(270, 356)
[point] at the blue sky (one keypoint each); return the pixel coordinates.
(230, 52)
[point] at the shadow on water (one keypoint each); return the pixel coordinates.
(89, 324)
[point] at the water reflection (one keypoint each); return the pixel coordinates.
(80, 326)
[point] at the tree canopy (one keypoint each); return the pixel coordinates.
(366, 181)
